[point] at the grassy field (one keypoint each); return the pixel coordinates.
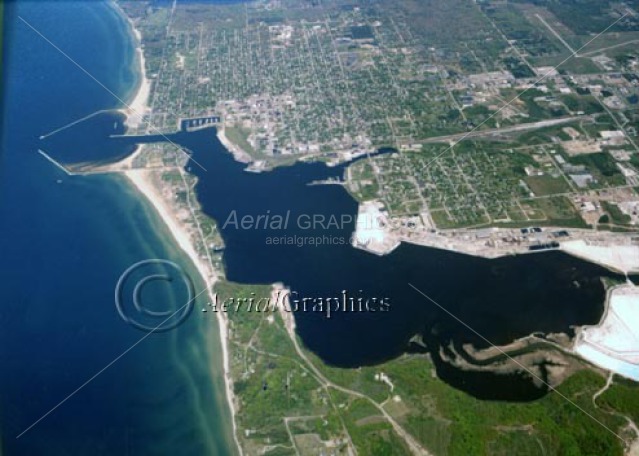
(239, 136)
(547, 185)
(286, 408)
(616, 215)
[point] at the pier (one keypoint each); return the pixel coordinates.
(197, 123)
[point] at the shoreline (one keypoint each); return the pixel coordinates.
(141, 180)
(622, 259)
(238, 153)
(137, 105)
(618, 254)
(611, 344)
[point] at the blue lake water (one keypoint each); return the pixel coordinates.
(63, 244)
(65, 241)
(501, 299)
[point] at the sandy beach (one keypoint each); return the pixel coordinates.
(144, 182)
(137, 107)
(136, 110)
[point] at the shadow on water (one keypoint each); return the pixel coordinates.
(503, 299)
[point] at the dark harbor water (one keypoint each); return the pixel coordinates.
(88, 140)
(64, 242)
(502, 299)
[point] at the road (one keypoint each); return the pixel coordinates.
(513, 129)
(557, 35)
(289, 323)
